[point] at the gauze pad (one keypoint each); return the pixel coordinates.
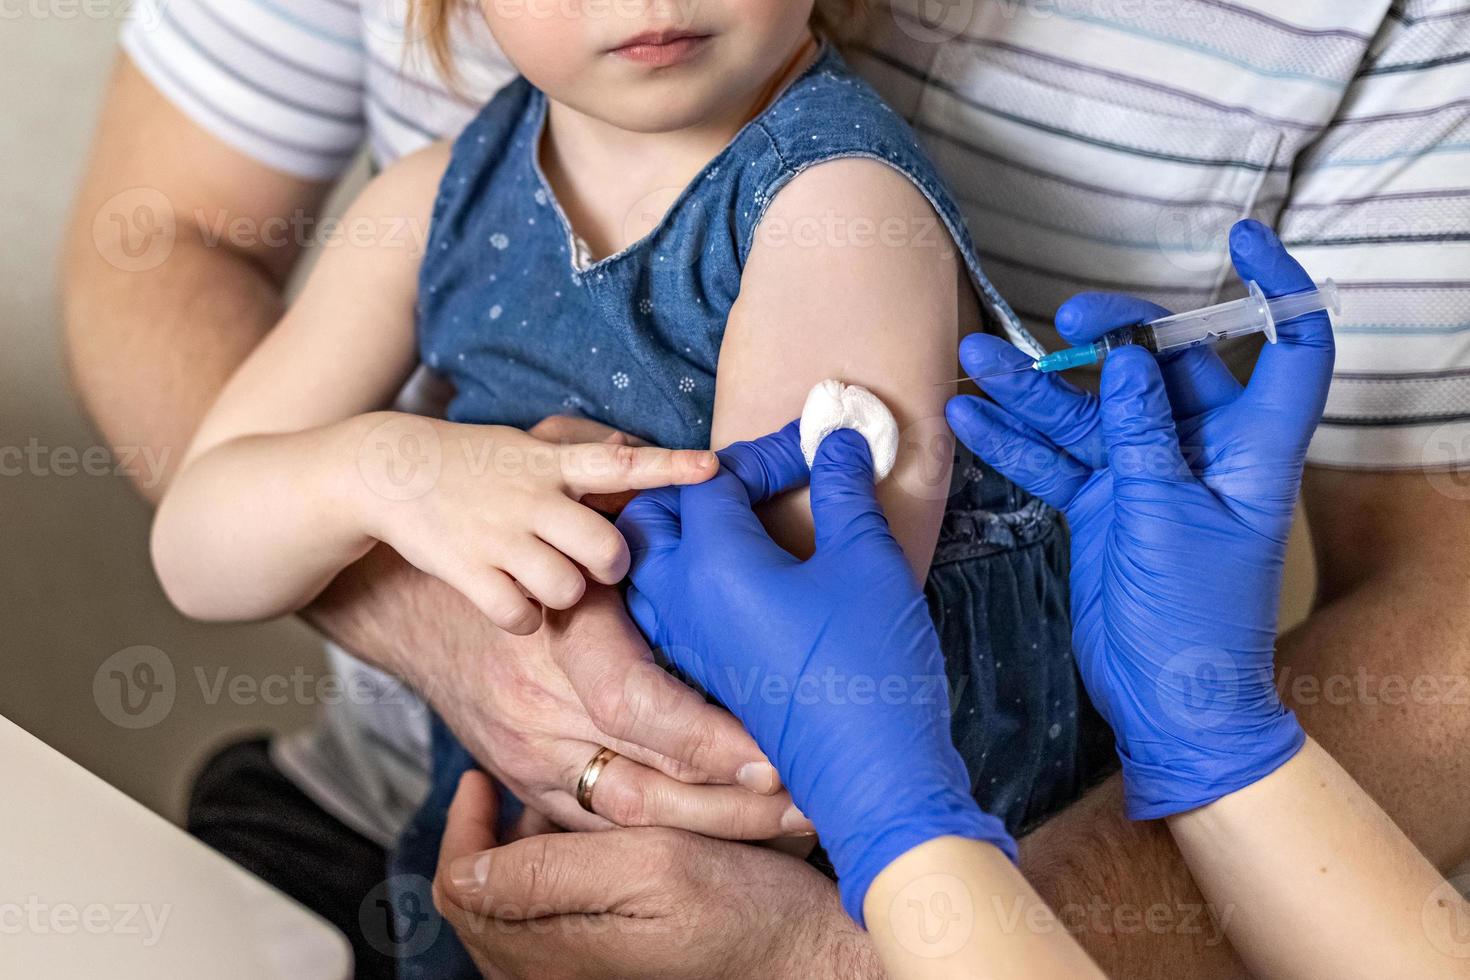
(833, 405)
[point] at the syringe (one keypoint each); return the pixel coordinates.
(1238, 318)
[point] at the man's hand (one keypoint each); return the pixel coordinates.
(637, 903)
(535, 710)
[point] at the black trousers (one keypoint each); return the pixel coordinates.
(246, 808)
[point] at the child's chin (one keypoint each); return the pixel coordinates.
(659, 106)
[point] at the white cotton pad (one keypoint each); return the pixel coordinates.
(833, 405)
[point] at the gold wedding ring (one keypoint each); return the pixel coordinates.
(590, 775)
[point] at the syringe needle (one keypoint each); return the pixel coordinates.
(985, 377)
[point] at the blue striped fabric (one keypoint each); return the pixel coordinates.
(1094, 144)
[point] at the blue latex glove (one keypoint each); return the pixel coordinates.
(831, 663)
(1179, 486)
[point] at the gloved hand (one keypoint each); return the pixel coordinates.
(1179, 487)
(831, 663)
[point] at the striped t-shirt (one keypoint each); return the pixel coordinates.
(1095, 144)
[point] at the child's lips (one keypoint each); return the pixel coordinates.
(661, 50)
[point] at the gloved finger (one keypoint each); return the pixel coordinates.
(650, 525)
(1138, 422)
(768, 466)
(750, 473)
(843, 496)
(1018, 453)
(1291, 377)
(1052, 406)
(1197, 379)
(719, 519)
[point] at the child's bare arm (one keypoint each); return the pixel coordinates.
(852, 276)
(255, 523)
(295, 474)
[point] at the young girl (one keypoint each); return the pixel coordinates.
(661, 192)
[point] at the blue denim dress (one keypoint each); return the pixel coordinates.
(525, 327)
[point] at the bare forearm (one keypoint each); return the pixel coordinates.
(1381, 678)
(1350, 672)
(958, 908)
(1319, 881)
(393, 615)
(1123, 890)
(150, 351)
(160, 307)
(257, 527)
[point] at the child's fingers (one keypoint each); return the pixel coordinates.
(601, 467)
(585, 537)
(500, 599)
(545, 573)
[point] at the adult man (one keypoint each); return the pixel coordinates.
(1094, 149)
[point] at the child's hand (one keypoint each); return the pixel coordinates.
(494, 512)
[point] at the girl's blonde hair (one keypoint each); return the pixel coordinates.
(840, 21)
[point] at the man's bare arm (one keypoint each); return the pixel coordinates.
(151, 336)
(150, 348)
(1377, 675)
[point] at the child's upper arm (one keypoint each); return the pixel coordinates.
(852, 276)
(347, 343)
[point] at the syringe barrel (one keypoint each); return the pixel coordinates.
(1323, 297)
(1211, 324)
